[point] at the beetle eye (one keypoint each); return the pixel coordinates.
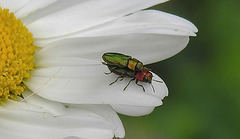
(145, 78)
(149, 77)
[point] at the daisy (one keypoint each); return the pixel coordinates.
(51, 56)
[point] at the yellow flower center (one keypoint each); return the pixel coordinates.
(16, 55)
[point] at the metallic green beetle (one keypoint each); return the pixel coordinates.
(121, 60)
(126, 66)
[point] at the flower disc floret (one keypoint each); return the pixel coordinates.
(16, 55)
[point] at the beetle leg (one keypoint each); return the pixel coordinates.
(122, 78)
(128, 84)
(117, 79)
(140, 85)
(158, 81)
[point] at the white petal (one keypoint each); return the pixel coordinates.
(54, 108)
(28, 124)
(13, 5)
(109, 114)
(133, 110)
(64, 61)
(148, 48)
(147, 21)
(89, 85)
(33, 6)
(84, 15)
(57, 109)
(15, 105)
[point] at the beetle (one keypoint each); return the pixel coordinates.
(123, 61)
(144, 75)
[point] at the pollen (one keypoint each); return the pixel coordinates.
(16, 55)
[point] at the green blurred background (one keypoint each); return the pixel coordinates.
(203, 80)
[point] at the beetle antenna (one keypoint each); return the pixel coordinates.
(158, 81)
(153, 88)
(104, 63)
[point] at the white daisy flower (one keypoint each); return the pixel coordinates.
(51, 56)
